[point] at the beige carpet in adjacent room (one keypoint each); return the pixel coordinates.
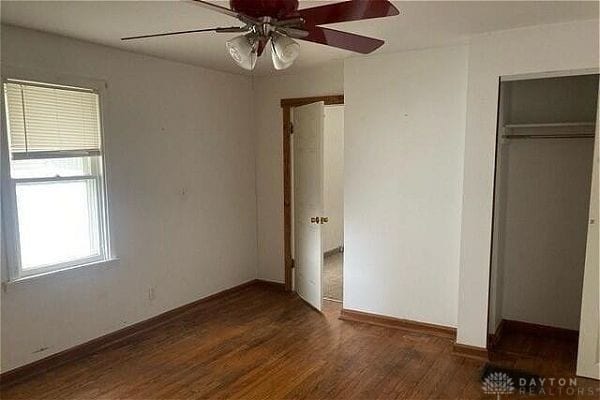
(332, 277)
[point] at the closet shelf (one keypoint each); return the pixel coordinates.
(560, 130)
(551, 125)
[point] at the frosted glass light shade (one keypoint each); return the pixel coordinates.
(284, 51)
(243, 50)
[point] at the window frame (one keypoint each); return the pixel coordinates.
(13, 271)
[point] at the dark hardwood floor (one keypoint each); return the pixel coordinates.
(524, 351)
(261, 343)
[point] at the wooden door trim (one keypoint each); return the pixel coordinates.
(287, 105)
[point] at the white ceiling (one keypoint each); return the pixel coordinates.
(420, 24)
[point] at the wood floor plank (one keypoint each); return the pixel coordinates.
(262, 343)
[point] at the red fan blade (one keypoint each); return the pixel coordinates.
(352, 10)
(342, 40)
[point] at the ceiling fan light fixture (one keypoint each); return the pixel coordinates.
(284, 51)
(280, 21)
(243, 50)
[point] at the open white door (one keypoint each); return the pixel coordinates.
(308, 201)
(588, 353)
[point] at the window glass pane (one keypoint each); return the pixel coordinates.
(58, 222)
(52, 167)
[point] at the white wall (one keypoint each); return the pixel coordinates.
(533, 50)
(180, 149)
(268, 92)
(404, 132)
(333, 153)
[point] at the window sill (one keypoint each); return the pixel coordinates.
(96, 264)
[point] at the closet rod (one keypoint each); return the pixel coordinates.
(576, 136)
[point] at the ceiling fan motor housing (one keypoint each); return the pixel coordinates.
(279, 9)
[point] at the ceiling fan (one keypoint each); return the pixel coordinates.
(280, 22)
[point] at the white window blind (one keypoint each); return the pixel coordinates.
(45, 119)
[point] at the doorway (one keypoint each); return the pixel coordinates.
(544, 163)
(333, 230)
(313, 197)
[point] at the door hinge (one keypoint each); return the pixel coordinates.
(293, 264)
(291, 128)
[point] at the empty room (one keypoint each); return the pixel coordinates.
(283, 199)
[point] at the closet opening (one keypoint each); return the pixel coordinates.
(545, 153)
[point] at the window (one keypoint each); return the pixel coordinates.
(53, 195)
